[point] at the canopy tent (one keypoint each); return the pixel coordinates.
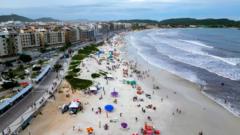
(130, 81)
(109, 76)
(109, 108)
(74, 104)
(93, 88)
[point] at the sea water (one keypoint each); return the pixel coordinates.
(206, 56)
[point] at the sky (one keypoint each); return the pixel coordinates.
(122, 9)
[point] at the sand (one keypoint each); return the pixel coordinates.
(198, 113)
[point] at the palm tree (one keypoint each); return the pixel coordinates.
(57, 67)
(10, 74)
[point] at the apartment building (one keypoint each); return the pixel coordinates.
(30, 40)
(72, 34)
(9, 44)
(87, 35)
(54, 38)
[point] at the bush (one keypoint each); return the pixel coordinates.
(57, 67)
(8, 85)
(25, 58)
(95, 75)
(77, 83)
(76, 70)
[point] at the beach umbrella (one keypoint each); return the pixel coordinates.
(124, 125)
(109, 108)
(114, 94)
(90, 130)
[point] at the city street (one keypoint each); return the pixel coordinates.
(19, 108)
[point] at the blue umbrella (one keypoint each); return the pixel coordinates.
(109, 108)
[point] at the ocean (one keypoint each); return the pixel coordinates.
(209, 57)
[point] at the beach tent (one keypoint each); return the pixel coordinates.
(109, 108)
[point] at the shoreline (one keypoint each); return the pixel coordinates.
(198, 113)
(218, 101)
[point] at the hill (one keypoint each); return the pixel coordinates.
(201, 22)
(46, 19)
(139, 21)
(181, 22)
(14, 17)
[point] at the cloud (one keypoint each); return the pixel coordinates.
(121, 9)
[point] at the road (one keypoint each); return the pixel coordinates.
(19, 108)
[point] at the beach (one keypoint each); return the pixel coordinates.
(180, 106)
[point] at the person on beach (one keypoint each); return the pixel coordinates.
(106, 126)
(73, 128)
(136, 118)
(149, 118)
(99, 110)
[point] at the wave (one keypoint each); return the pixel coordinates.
(196, 43)
(185, 51)
(183, 73)
(210, 64)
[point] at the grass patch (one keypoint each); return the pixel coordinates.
(104, 73)
(95, 75)
(79, 57)
(77, 83)
(88, 49)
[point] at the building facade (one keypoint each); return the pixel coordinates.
(9, 44)
(30, 40)
(87, 35)
(52, 38)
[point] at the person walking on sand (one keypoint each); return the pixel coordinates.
(149, 118)
(73, 128)
(136, 118)
(104, 91)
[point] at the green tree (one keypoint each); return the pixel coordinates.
(25, 58)
(57, 67)
(40, 62)
(10, 74)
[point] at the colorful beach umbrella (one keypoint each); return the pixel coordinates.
(124, 125)
(109, 108)
(114, 94)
